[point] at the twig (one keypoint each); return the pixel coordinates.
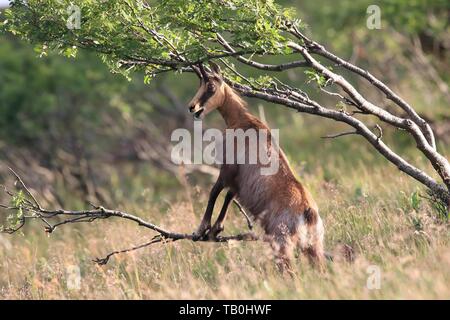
(262, 66)
(380, 132)
(26, 188)
(239, 74)
(241, 209)
(332, 136)
(103, 261)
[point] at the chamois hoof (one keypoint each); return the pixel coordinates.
(214, 232)
(196, 237)
(200, 235)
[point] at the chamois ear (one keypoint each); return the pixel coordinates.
(215, 68)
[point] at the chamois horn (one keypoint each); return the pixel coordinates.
(197, 71)
(203, 72)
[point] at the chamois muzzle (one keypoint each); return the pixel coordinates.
(198, 113)
(197, 110)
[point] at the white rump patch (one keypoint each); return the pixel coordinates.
(303, 234)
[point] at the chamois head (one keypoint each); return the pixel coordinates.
(211, 93)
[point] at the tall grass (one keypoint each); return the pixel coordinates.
(364, 202)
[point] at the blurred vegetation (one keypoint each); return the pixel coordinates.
(42, 98)
(78, 132)
(410, 50)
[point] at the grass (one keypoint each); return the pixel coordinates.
(364, 202)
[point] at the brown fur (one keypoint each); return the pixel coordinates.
(285, 209)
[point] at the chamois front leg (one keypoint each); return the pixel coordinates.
(205, 225)
(218, 225)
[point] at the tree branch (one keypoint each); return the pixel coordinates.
(337, 135)
(35, 211)
(319, 49)
(340, 116)
(439, 162)
(262, 66)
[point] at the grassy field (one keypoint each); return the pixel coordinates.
(364, 201)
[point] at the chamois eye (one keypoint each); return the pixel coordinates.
(211, 87)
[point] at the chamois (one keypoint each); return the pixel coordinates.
(283, 206)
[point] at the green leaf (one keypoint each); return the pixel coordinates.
(415, 200)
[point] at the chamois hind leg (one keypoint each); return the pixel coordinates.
(314, 248)
(282, 246)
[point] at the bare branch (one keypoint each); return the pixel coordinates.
(439, 162)
(99, 212)
(337, 135)
(336, 94)
(38, 206)
(158, 238)
(262, 66)
(103, 261)
(364, 131)
(320, 50)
